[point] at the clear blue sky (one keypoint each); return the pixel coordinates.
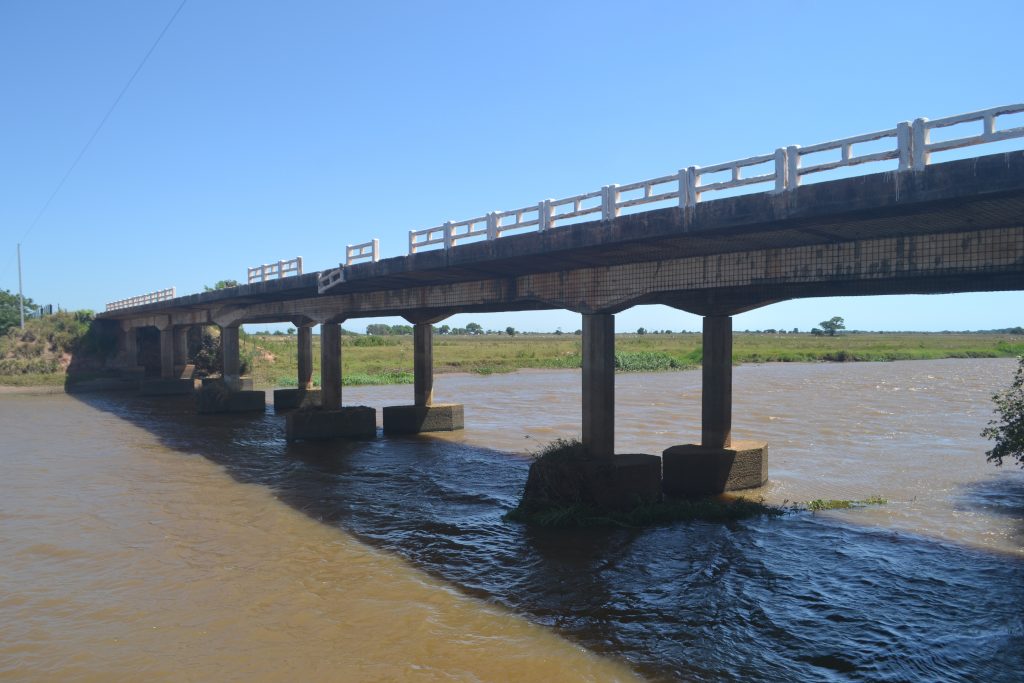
(266, 130)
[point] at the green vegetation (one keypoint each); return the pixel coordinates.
(1008, 430)
(221, 284)
(372, 356)
(831, 504)
(41, 352)
(10, 310)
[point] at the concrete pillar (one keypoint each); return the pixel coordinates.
(181, 345)
(599, 384)
(128, 341)
(305, 358)
(230, 357)
(330, 366)
(167, 352)
(423, 364)
(716, 395)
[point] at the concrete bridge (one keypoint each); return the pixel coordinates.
(920, 228)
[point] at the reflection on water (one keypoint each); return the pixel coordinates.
(128, 556)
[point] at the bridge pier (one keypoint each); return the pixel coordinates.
(599, 384)
(424, 415)
(718, 463)
(304, 395)
(330, 420)
(229, 395)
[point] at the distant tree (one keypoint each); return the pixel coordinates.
(221, 284)
(817, 332)
(401, 329)
(510, 331)
(578, 332)
(378, 329)
(474, 328)
(444, 329)
(830, 327)
(558, 330)
(641, 330)
(1008, 430)
(10, 314)
(291, 330)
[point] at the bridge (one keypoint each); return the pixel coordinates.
(697, 240)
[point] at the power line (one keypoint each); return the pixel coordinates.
(103, 121)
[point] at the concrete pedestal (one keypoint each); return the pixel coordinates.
(292, 399)
(618, 482)
(166, 387)
(218, 398)
(696, 470)
(355, 422)
(440, 417)
(241, 383)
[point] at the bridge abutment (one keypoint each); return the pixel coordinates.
(424, 415)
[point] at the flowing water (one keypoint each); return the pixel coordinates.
(141, 542)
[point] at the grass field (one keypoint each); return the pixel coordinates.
(389, 359)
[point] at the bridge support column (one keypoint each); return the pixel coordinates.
(599, 384)
(181, 345)
(304, 395)
(128, 347)
(716, 394)
(424, 415)
(718, 463)
(330, 366)
(168, 384)
(230, 358)
(330, 420)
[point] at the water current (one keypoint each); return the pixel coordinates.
(139, 541)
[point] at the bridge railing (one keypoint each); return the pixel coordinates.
(356, 253)
(783, 170)
(142, 299)
(270, 271)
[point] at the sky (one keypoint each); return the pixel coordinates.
(258, 131)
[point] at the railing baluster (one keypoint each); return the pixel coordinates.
(920, 144)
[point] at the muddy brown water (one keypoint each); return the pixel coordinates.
(139, 541)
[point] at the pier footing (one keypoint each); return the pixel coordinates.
(696, 470)
(354, 422)
(292, 399)
(218, 398)
(619, 482)
(166, 387)
(439, 417)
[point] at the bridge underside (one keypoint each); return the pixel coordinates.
(956, 227)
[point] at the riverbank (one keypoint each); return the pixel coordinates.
(389, 359)
(376, 360)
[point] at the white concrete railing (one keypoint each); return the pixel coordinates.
(142, 300)
(270, 271)
(783, 169)
(355, 253)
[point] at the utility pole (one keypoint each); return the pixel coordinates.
(21, 297)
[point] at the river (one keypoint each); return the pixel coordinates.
(139, 541)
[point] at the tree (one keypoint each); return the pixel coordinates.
(1008, 430)
(510, 331)
(291, 330)
(378, 329)
(641, 330)
(222, 284)
(444, 329)
(474, 328)
(10, 315)
(830, 327)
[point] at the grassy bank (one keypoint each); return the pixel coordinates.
(389, 360)
(41, 355)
